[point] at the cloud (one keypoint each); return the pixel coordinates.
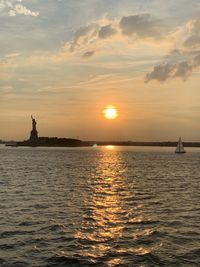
(183, 70)
(91, 34)
(15, 7)
(184, 58)
(106, 31)
(3, 62)
(196, 61)
(84, 35)
(165, 71)
(22, 10)
(6, 62)
(143, 28)
(88, 54)
(193, 40)
(142, 25)
(161, 72)
(136, 26)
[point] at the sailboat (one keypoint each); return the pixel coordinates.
(180, 148)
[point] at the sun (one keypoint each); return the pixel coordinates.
(110, 113)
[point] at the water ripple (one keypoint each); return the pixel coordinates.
(86, 207)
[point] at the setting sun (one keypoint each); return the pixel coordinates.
(110, 112)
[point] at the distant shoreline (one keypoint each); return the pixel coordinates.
(132, 143)
(70, 143)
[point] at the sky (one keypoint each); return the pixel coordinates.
(64, 61)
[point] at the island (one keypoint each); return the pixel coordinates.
(35, 140)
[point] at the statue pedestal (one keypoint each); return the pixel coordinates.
(33, 136)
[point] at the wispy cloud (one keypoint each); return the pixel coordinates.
(84, 35)
(15, 7)
(135, 27)
(166, 71)
(193, 40)
(88, 54)
(184, 59)
(8, 60)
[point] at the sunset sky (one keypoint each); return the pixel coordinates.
(64, 61)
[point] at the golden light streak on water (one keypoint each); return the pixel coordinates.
(106, 207)
(110, 147)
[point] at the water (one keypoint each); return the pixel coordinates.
(99, 207)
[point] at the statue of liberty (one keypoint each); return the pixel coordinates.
(33, 123)
(34, 133)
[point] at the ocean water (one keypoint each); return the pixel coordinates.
(106, 206)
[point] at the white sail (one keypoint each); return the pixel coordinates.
(180, 148)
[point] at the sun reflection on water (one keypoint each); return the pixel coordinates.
(110, 147)
(110, 219)
(104, 224)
